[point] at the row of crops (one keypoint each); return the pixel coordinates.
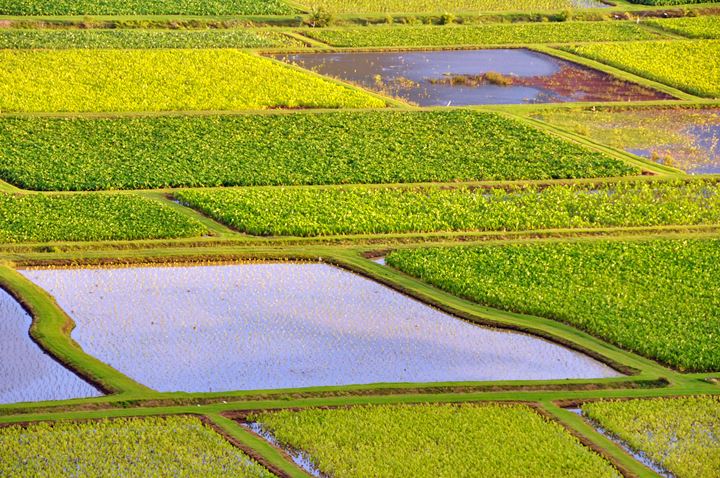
(271, 7)
(511, 440)
(358, 210)
(287, 149)
(382, 36)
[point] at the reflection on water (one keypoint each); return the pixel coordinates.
(422, 77)
(638, 455)
(268, 326)
(684, 138)
(27, 374)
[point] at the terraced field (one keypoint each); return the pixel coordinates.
(343, 239)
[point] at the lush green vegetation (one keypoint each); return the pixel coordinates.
(692, 66)
(489, 34)
(435, 441)
(657, 298)
(684, 138)
(89, 217)
(694, 27)
(144, 7)
(161, 80)
(286, 149)
(441, 6)
(138, 39)
(680, 434)
(173, 446)
(315, 212)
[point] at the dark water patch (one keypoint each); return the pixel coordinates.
(426, 77)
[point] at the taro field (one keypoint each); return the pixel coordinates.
(353, 239)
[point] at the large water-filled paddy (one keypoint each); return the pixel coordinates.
(27, 374)
(269, 326)
(474, 77)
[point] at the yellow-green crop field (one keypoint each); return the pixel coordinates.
(351, 239)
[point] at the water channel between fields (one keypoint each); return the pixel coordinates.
(286, 325)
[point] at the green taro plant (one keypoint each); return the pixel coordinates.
(488, 34)
(363, 210)
(655, 298)
(153, 446)
(286, 149)
(90, 217)
(488, 440)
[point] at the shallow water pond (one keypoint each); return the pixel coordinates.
(27, 374)
(684, 138)
(269, 326)
(473, 77)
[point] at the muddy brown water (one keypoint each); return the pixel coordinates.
(27, 374)
(270, 326)
(414, 76)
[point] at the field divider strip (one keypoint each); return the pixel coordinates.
(192, 251)
(214, 227)
(670, 35)
(310, 41)
(8, 188)
(627, 465)
(281, 403)
(51, 328)
(616, 72)
(260, 450)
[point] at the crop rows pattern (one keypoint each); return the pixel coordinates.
(174, 446)
(317, 212)
(510, 440)
(161, 80)
(655, 298)
(489, 34)
(287, 149)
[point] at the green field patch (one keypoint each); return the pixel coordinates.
(707, 27)
(172, 446)
(357, 210)
(141, 39)
(89, 217)
(489, 34)
(655, 298)
(161, 80)
(144, 7)
(692, 66)
(680, 434)
(490, 440)
(287, 149)
(443, 6)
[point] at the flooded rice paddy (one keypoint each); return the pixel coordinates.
(638, 455)
(27, 374)
(473, 77)
(688, 139)
(269, 326)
